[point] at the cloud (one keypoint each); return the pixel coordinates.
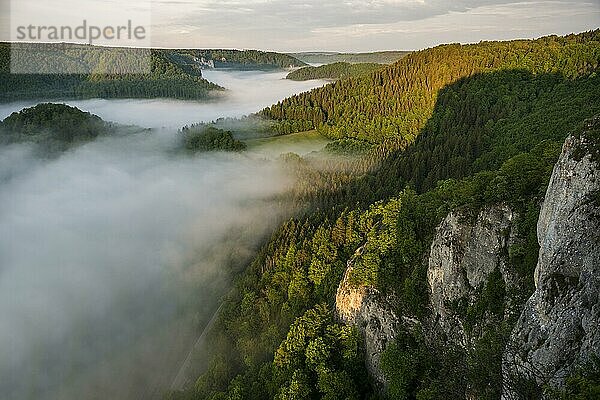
(304, 25)
(290, 25)
(111, 244)
(333, 13)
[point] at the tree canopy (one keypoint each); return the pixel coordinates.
(454, 127)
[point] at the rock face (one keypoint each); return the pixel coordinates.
(462, 258)
(463, 255)
(365, 308)
(559, 326)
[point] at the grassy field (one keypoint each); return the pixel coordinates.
(300, 143)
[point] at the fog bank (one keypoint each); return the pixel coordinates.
(247, 92)
(113, 256)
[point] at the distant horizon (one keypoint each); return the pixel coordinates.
(350, 26)
(308, 51)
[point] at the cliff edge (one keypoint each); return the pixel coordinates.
(559, 326)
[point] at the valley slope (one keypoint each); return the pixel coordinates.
(380, 57)
(72, 71)
(410, 273)
(333, 71)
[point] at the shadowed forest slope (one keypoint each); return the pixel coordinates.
(457, 128)
(392, 105)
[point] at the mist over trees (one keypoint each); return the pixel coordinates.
(117, 248)
(454, 127)
(208, 138)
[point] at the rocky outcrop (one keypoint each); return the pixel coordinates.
(463, 256)
(364, 307)
(559, 326)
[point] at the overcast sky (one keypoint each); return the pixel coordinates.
(343, 25)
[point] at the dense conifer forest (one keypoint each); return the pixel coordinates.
(391, 106)
(82, 71)
(453, 127)
(333, 71)
(378, 57)
(53, 127)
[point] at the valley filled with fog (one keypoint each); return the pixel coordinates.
(115, 254)
(247, 92)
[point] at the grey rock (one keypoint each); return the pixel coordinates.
(462, 257)
(559, 326)
(365, 308)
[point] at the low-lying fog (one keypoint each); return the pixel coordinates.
(114, 255)
(248, 92)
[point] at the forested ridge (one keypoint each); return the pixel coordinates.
(378, 57)
(392, 105)
(247, 58)
(456, 127)
(333, 71)
(80, 71)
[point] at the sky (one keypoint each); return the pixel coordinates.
(339, 25)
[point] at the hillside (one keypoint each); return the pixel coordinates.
(333, 71)
(52, 127)
(409, 272)
(246, 59)
(81, 71)
(392, 105)
(380, 57)
(165, 78)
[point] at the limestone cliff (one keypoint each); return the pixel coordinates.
(463, 256)
(464, 253)
(559, 326)
(365, 308)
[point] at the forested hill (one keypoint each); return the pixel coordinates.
(81, 71)
(379, 57)
(246, 59)
(393, 104)
(491, 120)
(333, 71)
(52, 128)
